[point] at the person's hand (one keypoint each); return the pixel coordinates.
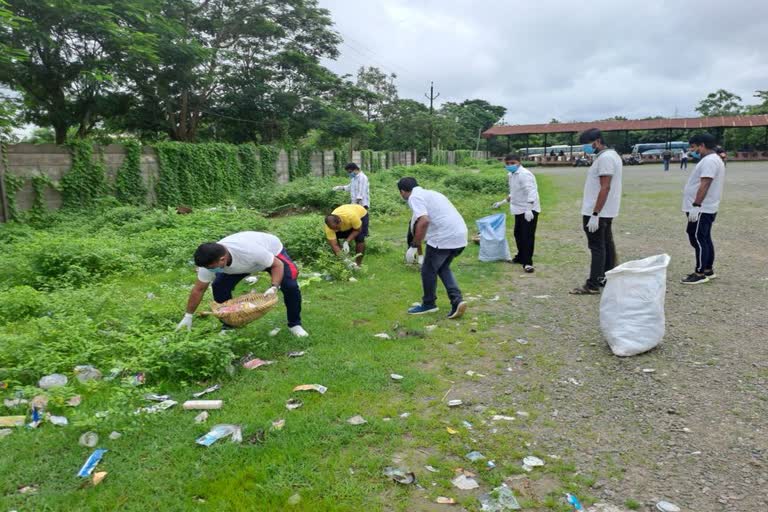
(270, 291)
(185, 322)
(593, 224)
(345, 247)
(693, 215)
(420, 259)
(410, 255)
(338, 187)
(497, 204)
(528, 215)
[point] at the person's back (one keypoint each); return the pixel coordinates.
(447, 228)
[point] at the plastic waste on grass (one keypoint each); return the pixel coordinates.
(202, 404)
(500, 499)
(90, 463)
(311, 387)
(89, 439)
(493, 238)
(400, 476)
(55, 380)
(85, 373)
(357, 420)
(206, 391)
(221, 432)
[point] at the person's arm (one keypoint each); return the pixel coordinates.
(531, 193)
(420, 231)
(335, 246)
(276, 271)
(353, 234)
(704, 185)
(602, 196)
(196, 296)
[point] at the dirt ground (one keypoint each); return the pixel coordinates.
(694, 431)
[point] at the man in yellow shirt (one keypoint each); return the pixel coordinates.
(347, 222)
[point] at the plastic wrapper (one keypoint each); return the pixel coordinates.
(220, 432)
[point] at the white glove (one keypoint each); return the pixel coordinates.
(345, 247)
(693, 215)
(185, 322)
(410, 255)
(270, 291)
(338, 187)
(593, 224)
(420, 259)
(528, 215)
(497, 204)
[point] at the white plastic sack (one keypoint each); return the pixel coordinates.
(632, 305)
(493, 238)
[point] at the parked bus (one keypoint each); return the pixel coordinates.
(657, 148)
(557, 149)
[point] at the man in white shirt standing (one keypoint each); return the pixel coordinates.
(439, 223)
(228, 261)
(701, 201)
(600, 205)
(524, 204)
(359, 189)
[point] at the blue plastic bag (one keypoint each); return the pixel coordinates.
(493, 238)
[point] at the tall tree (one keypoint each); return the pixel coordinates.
(377, 90)
(720, 103)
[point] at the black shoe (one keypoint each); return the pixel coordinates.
(457, 310)
(695, 279)
(711, 274)
(515, 260)
(529, 269)
(585, 290)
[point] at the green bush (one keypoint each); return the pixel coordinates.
(20, 302)
(477, 183)
(303, 238)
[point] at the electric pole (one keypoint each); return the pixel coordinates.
(431, 99)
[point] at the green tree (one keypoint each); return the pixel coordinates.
(471, 117)
(720, 103)
(376, 91)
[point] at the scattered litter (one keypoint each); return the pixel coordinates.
(255, 363)
(522, 341)
(37, 415)
(352, 280)
(220, 432)
(357, 420)
(274, 332)
(150, 295)
(259, 437)
(395, 376)
(405, 415)
(113, 374)
(430, 328)
(467, 425)
(442, 500)
(167, 404)
(190, 405)
(473, 373)
(90, 463)
(85, 373)
(665, 506)
(59, 421)
(454, 403)
(649, 370)
(252, 279)
(5, 432)
(383, 336)
(75, 401)
(89, 439)
(278, 424)
(293, 403)
(574, 381)
(156, 398)
(501, 417)
(115, 435)
(55, 380)
(294, 499)
(494, 299)
(522, 414)
(541, 296)
(28, 489)
(202, 417)
(475, 456)
(99, 477)
(491, 464)
(465, 483)
(431, 469)
(312, 387)
(498, 500)
(296, 354)
(574, 502)
(400, 476)
(451, 431)
(14, 402)
(531, 462)
(206, 391)
(137, 379)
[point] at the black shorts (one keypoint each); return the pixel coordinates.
(342, 235)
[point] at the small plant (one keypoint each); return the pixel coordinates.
(632, 504)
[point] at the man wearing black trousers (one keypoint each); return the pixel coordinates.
(524, 204)
(701, 201)
(600, 205)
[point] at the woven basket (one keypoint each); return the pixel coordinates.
(239, 318)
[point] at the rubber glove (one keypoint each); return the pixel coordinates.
(185, 322)
(497, 204)
(528, 215)
(593, 224)
(410, 255)
(270, 291)
(693, 215)
(338, 187)
(345, 247)
(420, 259)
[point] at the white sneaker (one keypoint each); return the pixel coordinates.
(298, 331)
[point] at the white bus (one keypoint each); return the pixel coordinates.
(557, 149)
(657, 148)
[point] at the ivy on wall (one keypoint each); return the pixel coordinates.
(13, 184)
(39, 206)
(85, 181)
(129, 185)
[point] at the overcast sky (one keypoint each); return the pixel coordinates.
(574, 61)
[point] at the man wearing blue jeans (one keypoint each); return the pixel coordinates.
(701, 201)
(228, 261)
(439, 223)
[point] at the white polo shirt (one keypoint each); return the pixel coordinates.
(251, 251)
(523, 192)
(359, 190)
(607, 163)
(711, 166)
(447, 229)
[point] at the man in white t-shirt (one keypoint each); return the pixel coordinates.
(600, 205)
(228, 261)
(524, 204)
(439, 223)
(358, 188)
(701, 201)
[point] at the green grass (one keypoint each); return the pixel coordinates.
(330, 464)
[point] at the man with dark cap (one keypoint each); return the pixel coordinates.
(600, 205)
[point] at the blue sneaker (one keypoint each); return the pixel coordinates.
(422, 309)
(457, 310)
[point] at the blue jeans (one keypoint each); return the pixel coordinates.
(700, 237)
(437, 262)
(225, 283)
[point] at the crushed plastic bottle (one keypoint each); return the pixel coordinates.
(55, 380)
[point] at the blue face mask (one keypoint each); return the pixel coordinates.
(351, 175)
(512, 168)
(696, 155)
(588, 149)
(216, 270)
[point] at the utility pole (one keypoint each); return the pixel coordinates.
(431, 99)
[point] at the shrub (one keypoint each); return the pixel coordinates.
(303, 238)
(477, 183)
(20, 302)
